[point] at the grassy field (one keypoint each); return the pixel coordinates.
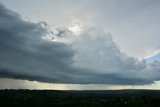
(52, 98)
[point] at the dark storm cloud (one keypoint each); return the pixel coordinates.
(25, 55)
(23, 52)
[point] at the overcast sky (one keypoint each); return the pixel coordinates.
(113, 42)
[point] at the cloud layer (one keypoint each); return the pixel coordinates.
(28, 51)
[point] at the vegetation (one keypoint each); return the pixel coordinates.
(51, 98)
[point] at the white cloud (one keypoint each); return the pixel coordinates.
(97, 51)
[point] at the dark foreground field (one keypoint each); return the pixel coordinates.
(46, 98)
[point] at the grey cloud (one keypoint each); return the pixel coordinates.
(127, 20)
(23, 52)
(25, 55)
(153, 71)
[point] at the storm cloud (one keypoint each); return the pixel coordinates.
(92, 57)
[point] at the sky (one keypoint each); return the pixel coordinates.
(76, 45)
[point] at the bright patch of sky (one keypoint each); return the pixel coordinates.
(153, 59)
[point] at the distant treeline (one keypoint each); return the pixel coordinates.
(54, 98)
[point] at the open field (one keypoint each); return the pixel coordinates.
(46, 98)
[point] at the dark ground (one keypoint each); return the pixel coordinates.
(51, 98)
